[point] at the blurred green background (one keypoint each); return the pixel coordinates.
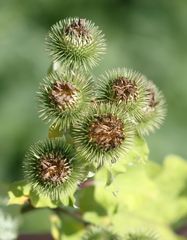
(147, 35)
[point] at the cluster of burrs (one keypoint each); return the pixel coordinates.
(92, 121)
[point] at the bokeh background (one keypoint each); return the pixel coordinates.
(147, 35)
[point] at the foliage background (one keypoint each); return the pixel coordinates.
(147, 35)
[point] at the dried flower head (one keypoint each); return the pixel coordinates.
(103, 134)
(53, 169)
(75, 42)
(62, 97)
(98, 233)
(106, 131)
(126, 87)
(154, 112)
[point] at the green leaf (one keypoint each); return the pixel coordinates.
(174, 171)
(152, 169)
(103, 194)
(145, 192)
(19, 192)
(114, 169)
(67, 200)
(137, 155)
(139, 152)
(95, 219)
(39, 201)
(133, 223)
(87, 203)
(64, 226)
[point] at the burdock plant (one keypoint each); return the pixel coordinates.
(103, 134)
(75, 42)
(94, 128)
(53, 168)
(127, 87)
(154, 112)
(63, 96)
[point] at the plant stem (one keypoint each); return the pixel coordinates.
(74, 214)
(27, 207)
(59, 210)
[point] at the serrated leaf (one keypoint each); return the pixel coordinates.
(147, 194)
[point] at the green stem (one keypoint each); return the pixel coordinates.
(74, 214)
(59, 211)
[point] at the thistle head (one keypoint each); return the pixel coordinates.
(103, 134)
(75, 42)
(53, 169)
(97, 233)
(126, 87)
(62, 97)
(106, 131)
(154, 112)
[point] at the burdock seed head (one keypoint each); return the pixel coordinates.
(98, 233)
(154, 112)
(63, 97)
(103, 134)
(106, 131)
(126, 87)
(53, 169)
(75, 42)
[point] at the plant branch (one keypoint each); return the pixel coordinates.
(59, 210)
(74, 214)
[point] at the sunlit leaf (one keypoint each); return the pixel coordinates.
(39, 201)
(19, 193)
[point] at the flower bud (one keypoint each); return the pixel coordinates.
(53, 169)
(75, 42)
(62, 98)
(103, 134)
